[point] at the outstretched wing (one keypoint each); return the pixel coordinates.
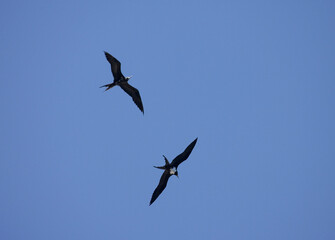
(134, 93)
(161, 186)
(183, 156)
(115, 65)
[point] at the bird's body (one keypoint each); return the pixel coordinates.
(122, 81)
(171, 169)
(116, 83)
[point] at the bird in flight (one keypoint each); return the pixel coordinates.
(171, 169)
(122, 81)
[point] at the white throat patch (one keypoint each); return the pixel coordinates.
(173, 170)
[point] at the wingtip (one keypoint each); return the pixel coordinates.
(195, 141)
(106, 54)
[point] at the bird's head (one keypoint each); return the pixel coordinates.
(127, 78)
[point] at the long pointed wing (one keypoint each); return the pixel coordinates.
(134, 93)
(115, 65)
(183, 156)
(161, 186)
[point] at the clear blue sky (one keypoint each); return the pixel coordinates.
(253, 80)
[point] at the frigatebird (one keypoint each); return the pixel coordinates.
(122, 81)
(171, 169)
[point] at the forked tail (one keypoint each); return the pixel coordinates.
(167, 164)
(108, 86)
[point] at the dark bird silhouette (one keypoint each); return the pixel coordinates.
(171, 169)
(122, 81)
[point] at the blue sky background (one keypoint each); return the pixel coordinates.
(253, 80)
